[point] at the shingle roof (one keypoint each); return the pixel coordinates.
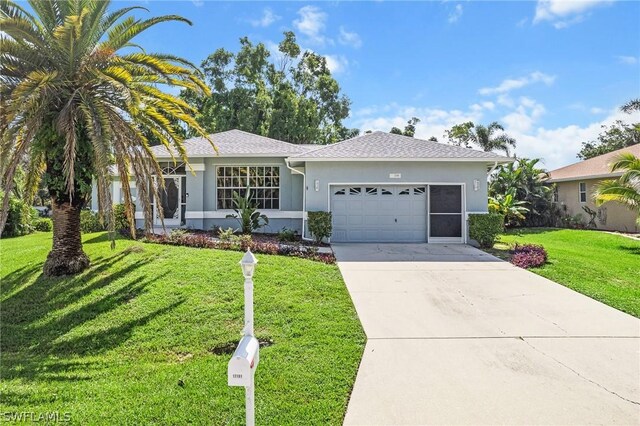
(596, 167)
(391, 146)
(235, 143)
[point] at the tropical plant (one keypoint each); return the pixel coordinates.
(631, 106)
(525, 180)
(506, 205)
(488, 138)
(77, 98)
(625, 189)
(246, 212)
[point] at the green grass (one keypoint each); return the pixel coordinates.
(133, 340)
(600, 265)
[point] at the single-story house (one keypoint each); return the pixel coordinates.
(575, 186)
(379, 187)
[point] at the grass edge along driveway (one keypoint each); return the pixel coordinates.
(601, 265)
(144, 336)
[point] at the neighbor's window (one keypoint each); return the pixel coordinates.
(263, 183)
(583, 192)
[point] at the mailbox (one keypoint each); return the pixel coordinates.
(244, 362)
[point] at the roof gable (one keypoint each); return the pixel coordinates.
(382, 145)
(593, 167)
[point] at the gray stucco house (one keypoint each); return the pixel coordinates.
(379, 187)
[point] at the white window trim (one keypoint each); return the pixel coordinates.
(215, 192)
(580, 192)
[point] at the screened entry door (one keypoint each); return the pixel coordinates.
(173, 201)
(445, 213)
(368, 213)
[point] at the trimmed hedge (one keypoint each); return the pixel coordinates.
(90, 222)
(320, 225)
(485, 228)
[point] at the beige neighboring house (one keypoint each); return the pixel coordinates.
(575, 186)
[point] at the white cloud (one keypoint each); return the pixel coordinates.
(197, 3)
(456, 14)
(267, 18)
(349, 38)
(511, 84)
(337, 63)
(629, 60)
(524, 116)
(312, 24)
(563, 13)
(596, 110)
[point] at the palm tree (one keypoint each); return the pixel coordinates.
(79, 99)
(631, 106)
(625, 189)
(485, 138)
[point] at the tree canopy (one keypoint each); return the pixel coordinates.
(487, 138)
(288, 95)
(409, 129)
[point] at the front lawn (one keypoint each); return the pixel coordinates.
(144, 336)
(600, 265)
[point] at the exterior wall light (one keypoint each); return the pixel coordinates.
(316, 185)
(476, 183)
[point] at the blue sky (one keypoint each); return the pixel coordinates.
(551, 71)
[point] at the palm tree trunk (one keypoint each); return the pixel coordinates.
(66, 257)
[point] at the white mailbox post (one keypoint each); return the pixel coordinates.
(242, 366)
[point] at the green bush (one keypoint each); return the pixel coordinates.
(19, 219)
(287, 235)
(90, 222)
(43, 224)
(320, 225)
(485, 228)
(226, 234)
(120, 217)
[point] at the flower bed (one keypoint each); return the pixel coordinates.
(242, 243)
(528, 256)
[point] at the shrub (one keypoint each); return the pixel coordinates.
(43, 224)
(90, 222)
(19, 219)
(226, 234)
(485, 228)
(287, 235)
(528, 256)
(320, 225)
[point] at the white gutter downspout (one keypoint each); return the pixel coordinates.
(304, 197)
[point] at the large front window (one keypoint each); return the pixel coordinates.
(263, 183)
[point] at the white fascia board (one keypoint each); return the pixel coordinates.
(586, 177)
(387, 159)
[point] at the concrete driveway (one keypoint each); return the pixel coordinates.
(456, 336)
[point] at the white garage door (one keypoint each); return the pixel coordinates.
(379, 213)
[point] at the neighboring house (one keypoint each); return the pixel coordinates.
(379, 187)
(575, 185)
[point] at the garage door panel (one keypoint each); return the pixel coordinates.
(379, 213)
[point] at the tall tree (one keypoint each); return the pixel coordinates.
(488, 138)
(76, 100)
(409, 129)
(292, 97)
(615, 136)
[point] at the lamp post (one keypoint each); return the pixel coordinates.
(242, 366)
